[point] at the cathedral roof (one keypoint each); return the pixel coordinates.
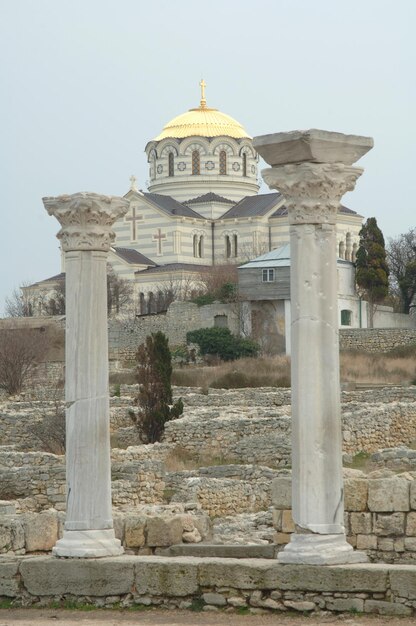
(133, 256)
(202, 122)
(282, 211)
(171, 267)
(208, 197)
(252, 206)
(171, 206)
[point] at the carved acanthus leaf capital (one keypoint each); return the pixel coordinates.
(312, 190)
(86, 219)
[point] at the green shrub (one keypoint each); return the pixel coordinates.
(206, 298)
(221, 342)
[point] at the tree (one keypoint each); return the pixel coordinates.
(401, 256)
(19, 303)
(119, 292)
(54, 302)
(21, 350)
(154, 372)
(219, 282)
(372, 274)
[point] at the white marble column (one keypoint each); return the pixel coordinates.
(86, 236)
(313, 169)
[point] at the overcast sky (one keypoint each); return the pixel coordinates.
(85, 84)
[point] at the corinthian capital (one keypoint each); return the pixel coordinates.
(86, 219)
(312, 190)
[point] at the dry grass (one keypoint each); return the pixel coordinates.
(397, 367)
(248, 372)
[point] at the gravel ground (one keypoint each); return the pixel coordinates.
(49, 617)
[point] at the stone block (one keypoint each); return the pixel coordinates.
(389, 494)
(387, 525)
(277, 519)
(12, 535)
(164, 531)
(118, 523)
(281, 538)
(366, 542)
(410, 544)
(361, 523)
(299, 605)
(411, 524)
(281, 492)
(345, 604)
(288, 525)
(9, 578)
(166, 577)
(203, 525)
(413, 495)
(403, 581)
(49, 576)
(386, 544)
(7, 507)
(134, 531)
(381, 607)
(214, 598)
(238, 573)
(361, 577)
(41, 531)
(355, 494)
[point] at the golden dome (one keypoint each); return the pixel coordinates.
(202, 122)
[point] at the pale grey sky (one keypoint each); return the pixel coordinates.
(86, 83)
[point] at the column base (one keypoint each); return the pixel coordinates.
(88, 544)
(314, 549)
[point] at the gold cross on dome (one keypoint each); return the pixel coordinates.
(203, 102)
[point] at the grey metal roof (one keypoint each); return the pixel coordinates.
(172, 267)
(133, 256)
(209, 197)
(282, 211)
(171, 206)
(279, 257)
(253, 206)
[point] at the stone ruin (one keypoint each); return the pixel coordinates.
(293, 502)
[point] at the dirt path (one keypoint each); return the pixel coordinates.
(49, 617)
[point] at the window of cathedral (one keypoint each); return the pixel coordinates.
(227, 246)
(195, 245)
(171, 164)
(142, 304)
(201, 247)
(244, 164)
(341, 250)
(196, 163)
(223, 163)
(235, 245)
(354, 253)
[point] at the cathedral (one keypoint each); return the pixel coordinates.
(202, 208)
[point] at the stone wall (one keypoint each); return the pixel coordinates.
(380, 513)
(376, 339)
(143, 530)
(125, 336)
(252, 585)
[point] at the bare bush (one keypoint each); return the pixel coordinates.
(50, 428)
(21, 350)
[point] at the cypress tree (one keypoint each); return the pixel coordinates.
(372, 272)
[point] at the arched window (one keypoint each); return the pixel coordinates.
(223, 162)
(201, 247)
(151, 303)
(235, 245)
(348, 247)
(196, 163)
(341, 250)
(195, 245)
(244, 164)
(354, 252)
(142, 304)
(171, 164)
(227, 246)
